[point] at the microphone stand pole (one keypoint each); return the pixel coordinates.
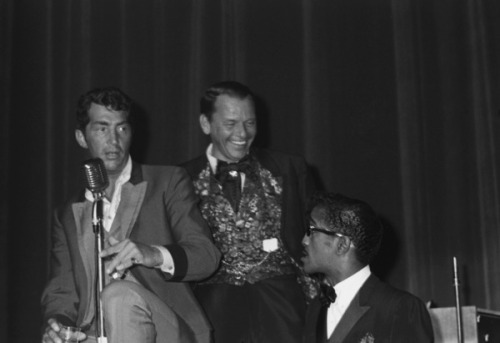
(457, 301)
(97, 216)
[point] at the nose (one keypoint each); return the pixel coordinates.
(241, 131)
(113, 137)
(305, 240)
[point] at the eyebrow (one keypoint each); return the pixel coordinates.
(106, 123)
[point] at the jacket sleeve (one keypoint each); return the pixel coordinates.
(194, 253)
(411, 322)
(59, 298)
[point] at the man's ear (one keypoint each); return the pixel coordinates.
(80, 138)
(343, 245)
(205, 124)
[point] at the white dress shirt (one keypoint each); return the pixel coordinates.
(346, 290)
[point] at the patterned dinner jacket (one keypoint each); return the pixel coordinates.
(297, 185)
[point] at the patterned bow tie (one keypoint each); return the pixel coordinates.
(327, 295)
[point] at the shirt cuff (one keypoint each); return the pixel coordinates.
(168, 263)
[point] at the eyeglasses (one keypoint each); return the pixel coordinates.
(311, 229)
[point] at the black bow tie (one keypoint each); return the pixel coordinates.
(226, 170)
(228, 174)
(327, 295)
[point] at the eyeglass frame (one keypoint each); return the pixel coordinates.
(310, 229)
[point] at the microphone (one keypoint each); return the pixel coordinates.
(96, 178)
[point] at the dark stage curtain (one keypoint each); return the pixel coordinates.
(390, 101)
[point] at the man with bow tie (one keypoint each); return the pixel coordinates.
(354, 306)
(254, 202)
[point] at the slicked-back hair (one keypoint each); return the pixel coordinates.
(353, 218)
(110, 97)
(233, 89)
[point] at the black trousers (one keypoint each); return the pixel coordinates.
(269, 311)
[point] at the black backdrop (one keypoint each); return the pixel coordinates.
(394, 102)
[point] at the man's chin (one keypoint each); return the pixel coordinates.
(307, 268)
(114, 166)
(239, 153)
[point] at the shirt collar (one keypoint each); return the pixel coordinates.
(347, 289)
(211, 159)
(126, 172)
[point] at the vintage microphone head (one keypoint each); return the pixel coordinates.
(96, 177)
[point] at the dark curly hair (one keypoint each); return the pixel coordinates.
(233, 89)
(353, 218)
(109, 97)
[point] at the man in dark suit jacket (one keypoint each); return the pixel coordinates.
(355, 306)
(155, 238)
(254, 202)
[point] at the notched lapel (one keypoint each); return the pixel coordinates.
(82, 212)
(129, 208)
(354, 312)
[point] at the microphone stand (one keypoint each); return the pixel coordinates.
(457, 301)
(97, 226)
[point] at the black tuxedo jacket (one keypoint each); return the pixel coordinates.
(378, 313)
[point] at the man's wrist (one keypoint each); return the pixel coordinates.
(167, 264)
(157, 257)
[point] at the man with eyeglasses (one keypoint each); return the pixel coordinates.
(341, 240)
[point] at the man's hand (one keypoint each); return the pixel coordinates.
(52, 330)
(128, 253)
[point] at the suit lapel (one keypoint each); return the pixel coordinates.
(321, 325)
(82, 212)
(353, 313)
(130, 205)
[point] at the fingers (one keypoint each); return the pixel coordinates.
(51, 337)
(112, 240)
(51, 332)
(54, 324)
(115, 247)
(81, 336)
(127, 254)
